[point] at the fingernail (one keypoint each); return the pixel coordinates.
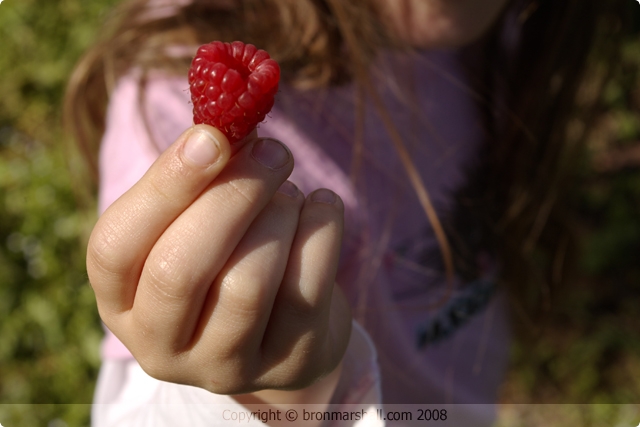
(324, 196)
(288, 188)
(201, 149)
(270, 153)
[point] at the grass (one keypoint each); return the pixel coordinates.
(49, 328)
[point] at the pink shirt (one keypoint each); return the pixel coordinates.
(390, 264)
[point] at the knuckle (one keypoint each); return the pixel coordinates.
(165, 273)
(158, 368)
(230, 376)
(108, 315)
(154, 358)
(306, 312)
(304, 369)
(224, 378)
(300, 357)
(104, 252)
(246, 292)
(229, 385)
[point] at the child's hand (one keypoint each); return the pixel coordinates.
(214, 278)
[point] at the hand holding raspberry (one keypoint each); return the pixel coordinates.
(212, 269)
(232, 87)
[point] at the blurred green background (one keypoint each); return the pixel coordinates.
(585, 347)
(49, 327)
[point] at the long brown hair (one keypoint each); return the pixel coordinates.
(528, 97)
(539, 101)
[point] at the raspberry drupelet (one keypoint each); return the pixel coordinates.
(233, 86)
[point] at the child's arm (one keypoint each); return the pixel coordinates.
(214, 278)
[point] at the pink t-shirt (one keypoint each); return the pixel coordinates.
(427, 352)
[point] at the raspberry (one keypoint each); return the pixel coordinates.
(232, 87)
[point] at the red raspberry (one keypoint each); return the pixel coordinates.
(232, 87)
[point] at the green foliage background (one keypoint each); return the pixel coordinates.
(585, 350)
(49, 328)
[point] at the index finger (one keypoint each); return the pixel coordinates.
(128, 229)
